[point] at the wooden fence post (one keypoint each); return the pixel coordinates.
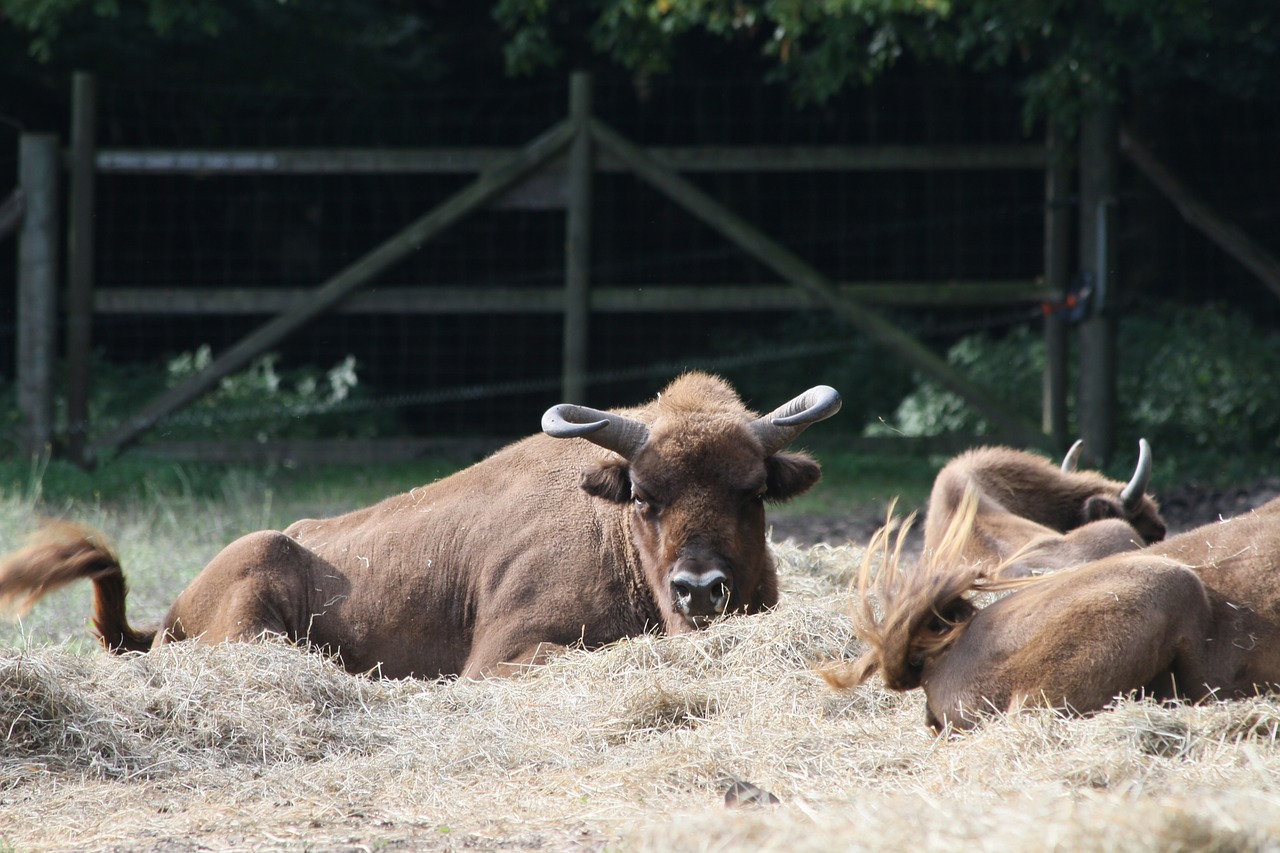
(37, 307)
(1098, 161)
(1057, 275)
(79, 306)
(577, 283)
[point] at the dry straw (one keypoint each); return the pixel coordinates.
(263, 746)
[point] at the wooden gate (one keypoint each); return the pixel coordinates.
(567, 155)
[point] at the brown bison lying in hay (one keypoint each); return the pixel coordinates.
(1194, 617)
(653, 521)
(1033, 516)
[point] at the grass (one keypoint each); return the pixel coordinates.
(134, 477)
(859, 479)
(263, 746)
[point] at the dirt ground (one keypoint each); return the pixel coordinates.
(1184, 507)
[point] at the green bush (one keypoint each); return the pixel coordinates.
(1010, 366)
(1203, 379)
(261, 403)
(1199, 382)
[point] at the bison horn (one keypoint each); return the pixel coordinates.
(1072, 459)
(623, 436)
(1131, 494)
(781, 426)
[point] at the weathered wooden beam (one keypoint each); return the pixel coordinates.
(37, 290)
(779, 158)
(80, 264)
(1097, 258)
(1057, 279)
(1197, 212)
(293, 161)
(794, 270)
(648, 298)
(577, 249)
(484, 188)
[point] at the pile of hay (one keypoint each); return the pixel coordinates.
(262, 746)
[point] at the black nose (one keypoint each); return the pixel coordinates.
(702, 592)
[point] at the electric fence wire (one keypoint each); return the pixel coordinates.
(473, 392)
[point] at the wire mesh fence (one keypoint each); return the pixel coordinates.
(258, 231)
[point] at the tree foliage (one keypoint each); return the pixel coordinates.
(1197, 381)
(1069, 55)
(276, 44)
(45, 21)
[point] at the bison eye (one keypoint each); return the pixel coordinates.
(642, 501)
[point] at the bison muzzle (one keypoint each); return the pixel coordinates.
(700, 590)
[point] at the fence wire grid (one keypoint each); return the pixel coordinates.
(442, 373)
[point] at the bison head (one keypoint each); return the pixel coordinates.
(694, 470)
(1130, 503)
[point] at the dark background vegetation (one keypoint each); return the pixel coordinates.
(1196, 80)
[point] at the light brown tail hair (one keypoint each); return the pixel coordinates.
(922, 612)
(58, 554)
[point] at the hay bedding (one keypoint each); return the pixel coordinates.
(632, 748)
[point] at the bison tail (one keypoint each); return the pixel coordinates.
(843, 675)
(906, 617)
(61, 553)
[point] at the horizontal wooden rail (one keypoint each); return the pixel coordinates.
(465, 449)
(373, 161)
(550, 300)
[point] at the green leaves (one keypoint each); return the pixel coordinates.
(44, 20)
(1070, 56)
(1197, 381)
(820, 46)
(274, 44)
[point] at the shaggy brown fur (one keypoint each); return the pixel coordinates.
(1195, 616)
(1051, 517)
(547, 543)
(921, 612)
(61, 553)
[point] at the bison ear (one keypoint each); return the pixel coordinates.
(789, 475)
(609, 481)
(1099, 507)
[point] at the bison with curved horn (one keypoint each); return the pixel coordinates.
(611, 524)
(1194, 617)
(1033, 516)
